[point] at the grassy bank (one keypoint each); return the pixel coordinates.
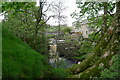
(19, 60)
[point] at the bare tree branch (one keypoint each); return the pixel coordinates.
(45, 21)
(96, 33)
(110, 13)
(1, 14)
(91, 40)
(48, 7)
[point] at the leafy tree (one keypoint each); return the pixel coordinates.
(58, 10)
(22, 62)
(93, 11)
(30, 25)
(103, 51)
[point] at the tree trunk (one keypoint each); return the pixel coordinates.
(38, 20)
(104, 27)
(103, 52)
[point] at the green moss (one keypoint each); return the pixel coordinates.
(90, 72)
(86, 69)
(84, 65)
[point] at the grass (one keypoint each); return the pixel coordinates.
(19, 60)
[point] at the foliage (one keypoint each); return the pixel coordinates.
(113, 71)
(51, 36)
(23, 62)
(94, 36)
(93, 12)
(105, 48)
(21, 18)
(19, 60)
(60, 73)
(25, 21)
(67, 30)
(82, 57)
(17, 7)
(69, 47)
(86, 45)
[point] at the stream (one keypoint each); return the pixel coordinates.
(55, 60)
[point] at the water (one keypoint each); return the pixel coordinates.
(56, 61)
(60, 63)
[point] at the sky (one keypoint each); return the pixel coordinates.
(70, 5)
(70, 8)
(1, 17)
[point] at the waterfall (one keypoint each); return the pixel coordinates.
(53, 53)
(55, 60)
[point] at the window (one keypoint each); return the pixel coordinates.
(86, 32)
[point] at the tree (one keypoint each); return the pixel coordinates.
(41, 21)
(58, 9)
(103, 51)
(104, 27)
(95, 12)
(31, 22)
(113, 70)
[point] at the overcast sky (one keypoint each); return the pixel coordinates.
(70, 8)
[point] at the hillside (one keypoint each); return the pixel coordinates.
(19, 60)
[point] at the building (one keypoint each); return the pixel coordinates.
(84, 29)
